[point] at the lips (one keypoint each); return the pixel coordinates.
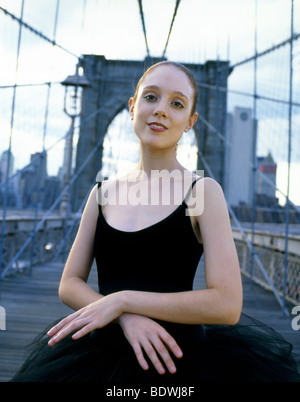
(155, 126)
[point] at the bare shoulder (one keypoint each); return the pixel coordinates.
(90, 211)
(209, 184)
(214, 217)
(210, 190)
(93, 197)
(207, 195)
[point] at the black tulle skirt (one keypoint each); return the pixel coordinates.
(247, 352)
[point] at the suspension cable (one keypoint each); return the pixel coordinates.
(144, 27)
(38, 33)
(37, 84)
(171, 26)
(293, 37)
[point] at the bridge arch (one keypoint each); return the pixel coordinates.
(121, 148)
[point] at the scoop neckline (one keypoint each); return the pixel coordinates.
(183, 204)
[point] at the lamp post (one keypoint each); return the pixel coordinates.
(74, 90)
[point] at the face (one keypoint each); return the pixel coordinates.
(161, 111)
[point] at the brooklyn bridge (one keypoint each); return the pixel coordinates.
(67, 73)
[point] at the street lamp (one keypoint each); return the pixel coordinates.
(74, 91)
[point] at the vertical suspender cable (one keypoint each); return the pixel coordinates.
(49, 83)
(9, 147)
(41, 184)
(287, 204)
(254, 158)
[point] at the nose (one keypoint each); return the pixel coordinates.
(159, 113)
(160, 110)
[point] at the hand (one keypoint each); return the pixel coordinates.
(95, 315)
(145, 334)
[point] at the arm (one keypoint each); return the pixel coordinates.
(73, 289)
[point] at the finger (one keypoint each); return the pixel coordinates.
(171, 344)
(164, 354)
(84, 331)
(140, 356)
(56, 328)
(151, 353)
(52, 331)
(67, 330)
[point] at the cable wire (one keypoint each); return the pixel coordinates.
(171, 26)
(36, 32)
(144, 27)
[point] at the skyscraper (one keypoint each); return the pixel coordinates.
(239, 156)
(6, 164)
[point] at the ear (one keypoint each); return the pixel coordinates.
(131, 107)
(191, 122)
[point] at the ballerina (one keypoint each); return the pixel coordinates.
(146, 321)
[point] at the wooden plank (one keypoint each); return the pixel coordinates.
(31, 304)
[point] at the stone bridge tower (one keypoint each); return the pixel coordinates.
(113, 83)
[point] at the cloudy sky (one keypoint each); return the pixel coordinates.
(203, 30)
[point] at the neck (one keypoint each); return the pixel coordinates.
(158, 160)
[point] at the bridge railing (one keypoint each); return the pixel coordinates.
(52, 240)
(273, 262)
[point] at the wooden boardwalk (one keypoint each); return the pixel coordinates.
(31, 303)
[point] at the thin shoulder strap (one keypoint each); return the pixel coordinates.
(99, 194)
(191, 189)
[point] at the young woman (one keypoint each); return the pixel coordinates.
(147, 323)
